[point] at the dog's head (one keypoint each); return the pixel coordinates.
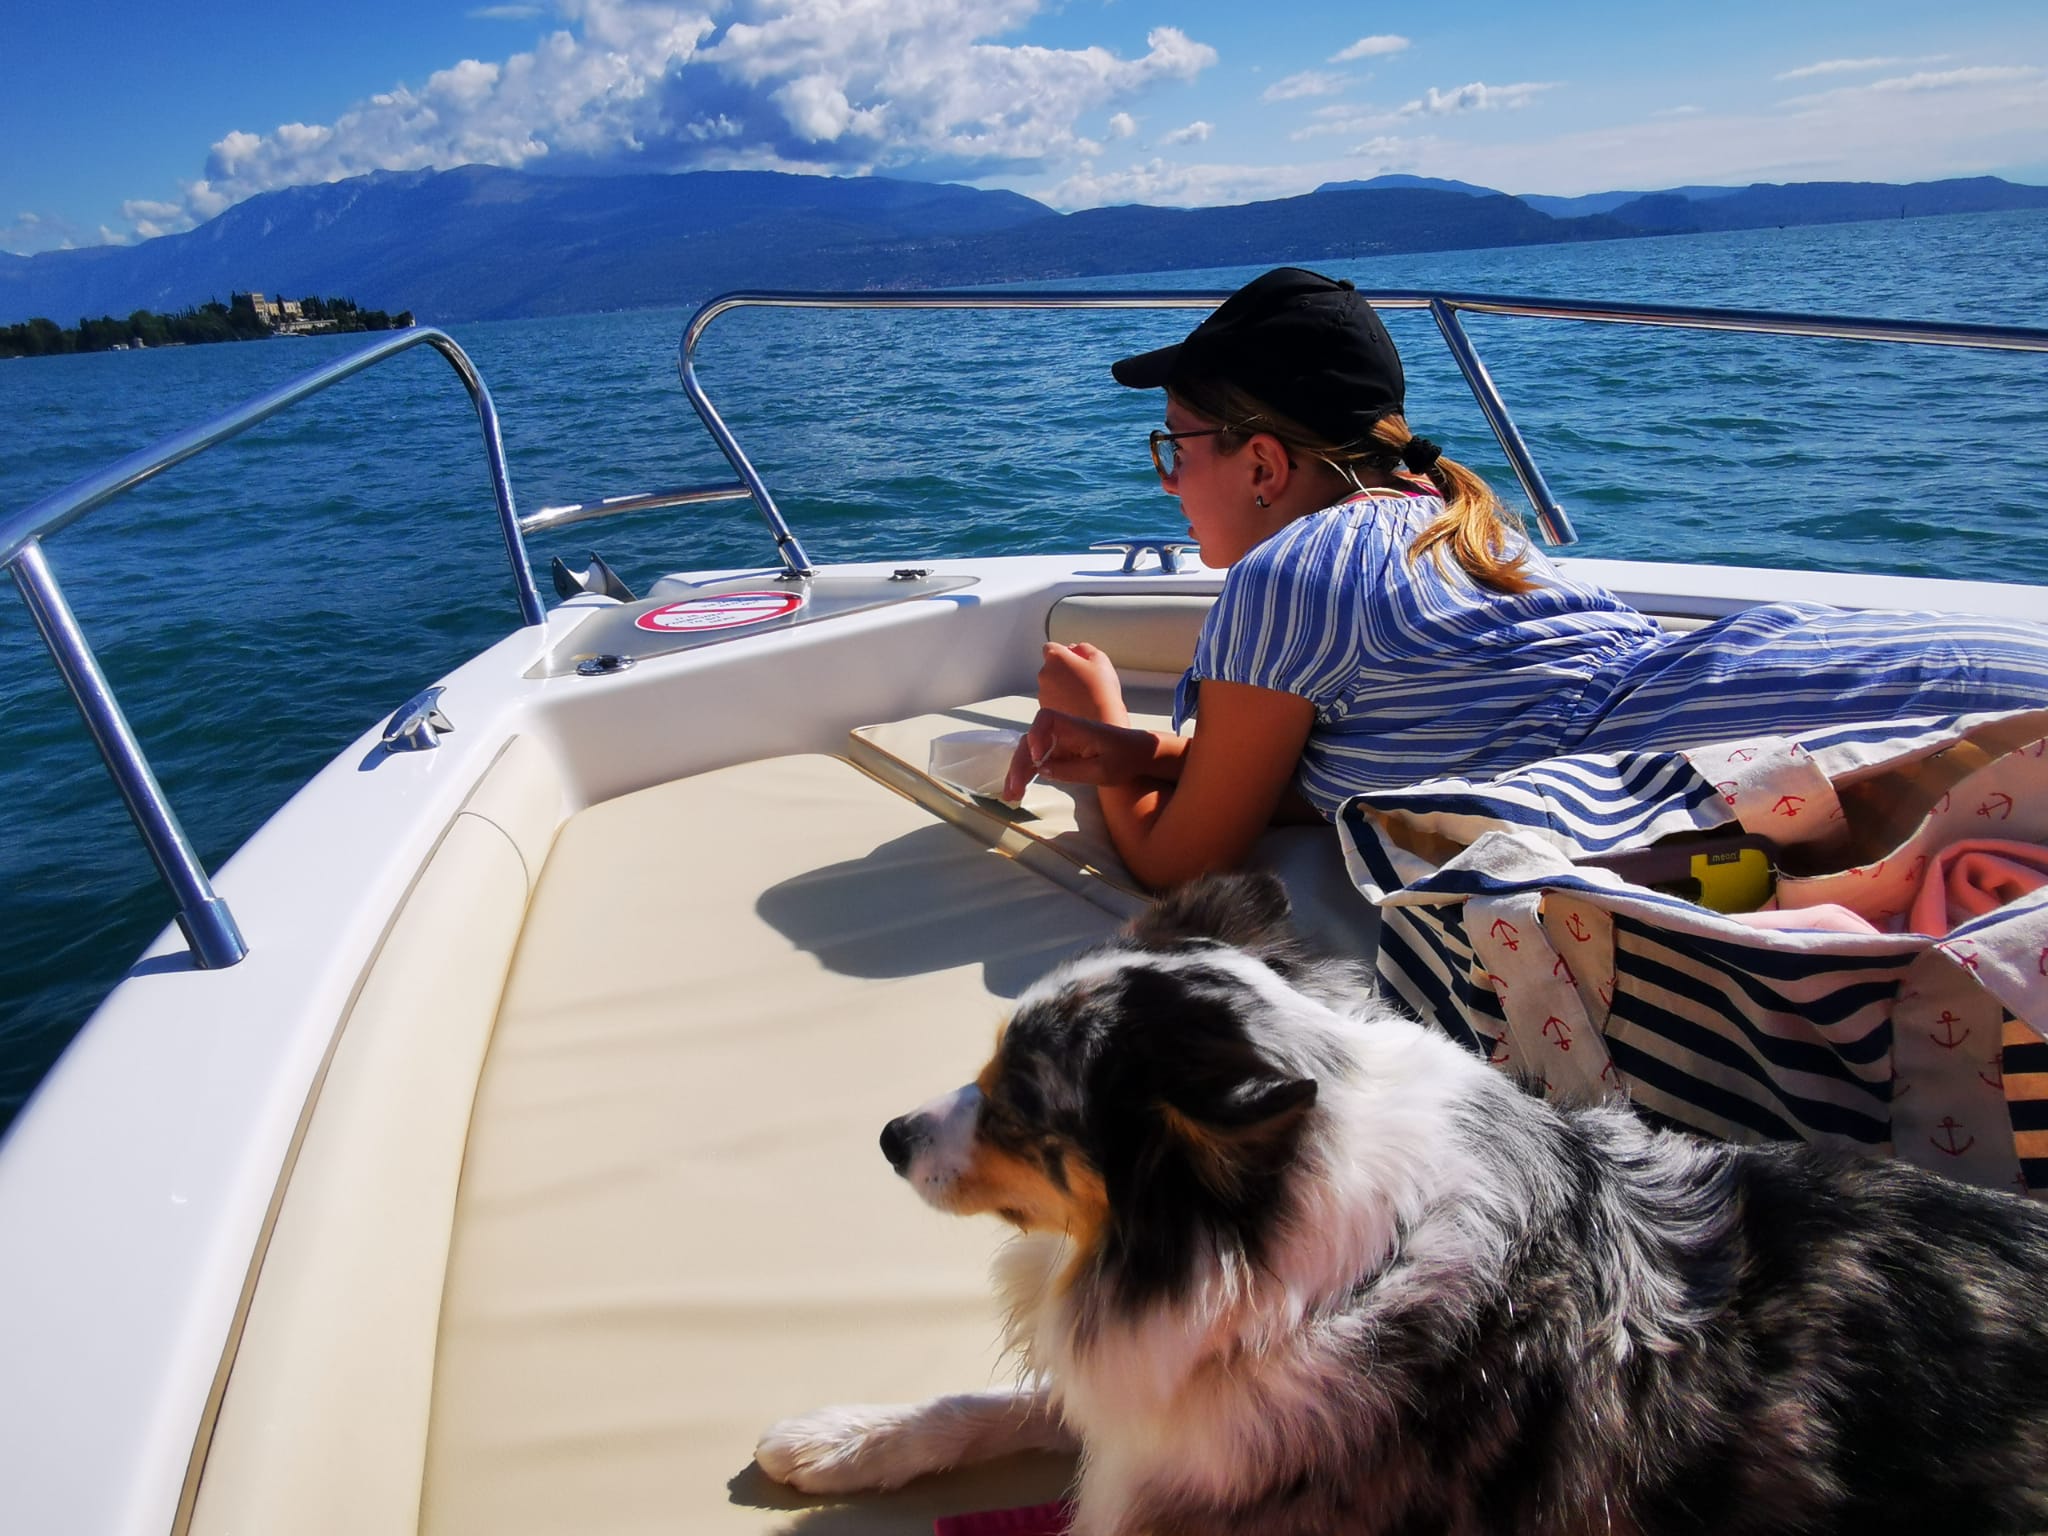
(1145, 1099)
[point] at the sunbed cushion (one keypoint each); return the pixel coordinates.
(323, 1423)
(675, 1225)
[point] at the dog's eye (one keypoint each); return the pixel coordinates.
(1023, 1101)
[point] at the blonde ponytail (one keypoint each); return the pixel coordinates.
(1477, 533)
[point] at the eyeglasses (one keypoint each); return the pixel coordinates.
(1167, 462)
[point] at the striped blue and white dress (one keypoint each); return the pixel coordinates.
(1416, 672)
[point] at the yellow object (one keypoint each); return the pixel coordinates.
(1737, 880)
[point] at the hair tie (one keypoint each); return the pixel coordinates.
(1420, 455)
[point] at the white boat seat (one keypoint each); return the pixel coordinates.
(662, 1083)
(323, 1423)
(675, 1225)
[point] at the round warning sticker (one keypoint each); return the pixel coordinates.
(728, 610)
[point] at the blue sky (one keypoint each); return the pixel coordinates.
(125, 119)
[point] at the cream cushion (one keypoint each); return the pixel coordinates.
(675, 1225)
(1155, 633)
(323, 1422)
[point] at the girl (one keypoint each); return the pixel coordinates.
(1385, 620)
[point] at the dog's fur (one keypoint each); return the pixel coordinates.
(1290, 1263)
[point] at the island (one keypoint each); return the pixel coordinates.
(245, 317)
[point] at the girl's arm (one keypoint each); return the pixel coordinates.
(1179, 807)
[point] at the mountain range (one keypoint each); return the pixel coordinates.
(482, 242)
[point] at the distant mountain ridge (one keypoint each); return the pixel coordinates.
(482, 242)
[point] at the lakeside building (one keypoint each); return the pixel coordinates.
(283, 315)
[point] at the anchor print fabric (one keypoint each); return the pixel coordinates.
(1926, 1045)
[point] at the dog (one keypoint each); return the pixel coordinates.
(1288, 1262)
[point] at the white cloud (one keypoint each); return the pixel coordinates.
(1840, 67)
(1173, 185)
(1370, 47)
(1949, 79)
(808, 85)
(1390, 153)
(1476, 97)
(1195, 133)
(1977, 77)
(1310, 82)
(1685, 111)
(503, 13)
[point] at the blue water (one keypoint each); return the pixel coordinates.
(257, 607)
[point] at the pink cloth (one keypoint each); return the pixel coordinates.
(1975, 876)
(1030, 1520)
(1827, 917)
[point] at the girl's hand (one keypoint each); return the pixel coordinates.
(1080, 680)
(1072, 749)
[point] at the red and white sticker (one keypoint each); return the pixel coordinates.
(728, 610)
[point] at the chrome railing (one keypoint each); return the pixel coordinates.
(208, 925)
(1444, 309)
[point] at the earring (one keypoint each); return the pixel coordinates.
(1258, 501)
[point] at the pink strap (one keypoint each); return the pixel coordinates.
(1029, 1520)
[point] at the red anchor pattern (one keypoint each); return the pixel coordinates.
(1919, 868)
(1606, 993)
(1948, 1125)
(1942, 804)
(1997, 1066)
(1742, 755)
(2039, 748)
(1609, 1075)
(1576, 927)
(1788, 805)
(1996, 807)
(1563, 969)
(2042, 967)
(1496, 983)
(1963, 953)
(1948, 1039)
(1557, 1031)
(1498, 1054)
(1728, 788)
(1506, 932)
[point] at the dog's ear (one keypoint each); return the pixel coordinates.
(1193, 1123)
(1236, 1114)
(1248, 909)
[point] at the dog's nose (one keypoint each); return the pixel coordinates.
(898, 1142)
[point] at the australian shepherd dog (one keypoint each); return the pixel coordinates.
(1290, 1263)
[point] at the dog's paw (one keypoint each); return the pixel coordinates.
(857, 1449)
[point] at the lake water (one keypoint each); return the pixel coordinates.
(257, 607)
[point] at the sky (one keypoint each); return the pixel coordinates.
(128, 119)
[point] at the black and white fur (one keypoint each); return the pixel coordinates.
(1291, 1263)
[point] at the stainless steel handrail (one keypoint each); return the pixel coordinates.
(1444, 308)
(612, 506)
(208, 925)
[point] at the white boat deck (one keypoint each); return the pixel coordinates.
(573, 1036)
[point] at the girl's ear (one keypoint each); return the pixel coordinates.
(1270, 466)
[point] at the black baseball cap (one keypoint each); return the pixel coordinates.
(1307, 345)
